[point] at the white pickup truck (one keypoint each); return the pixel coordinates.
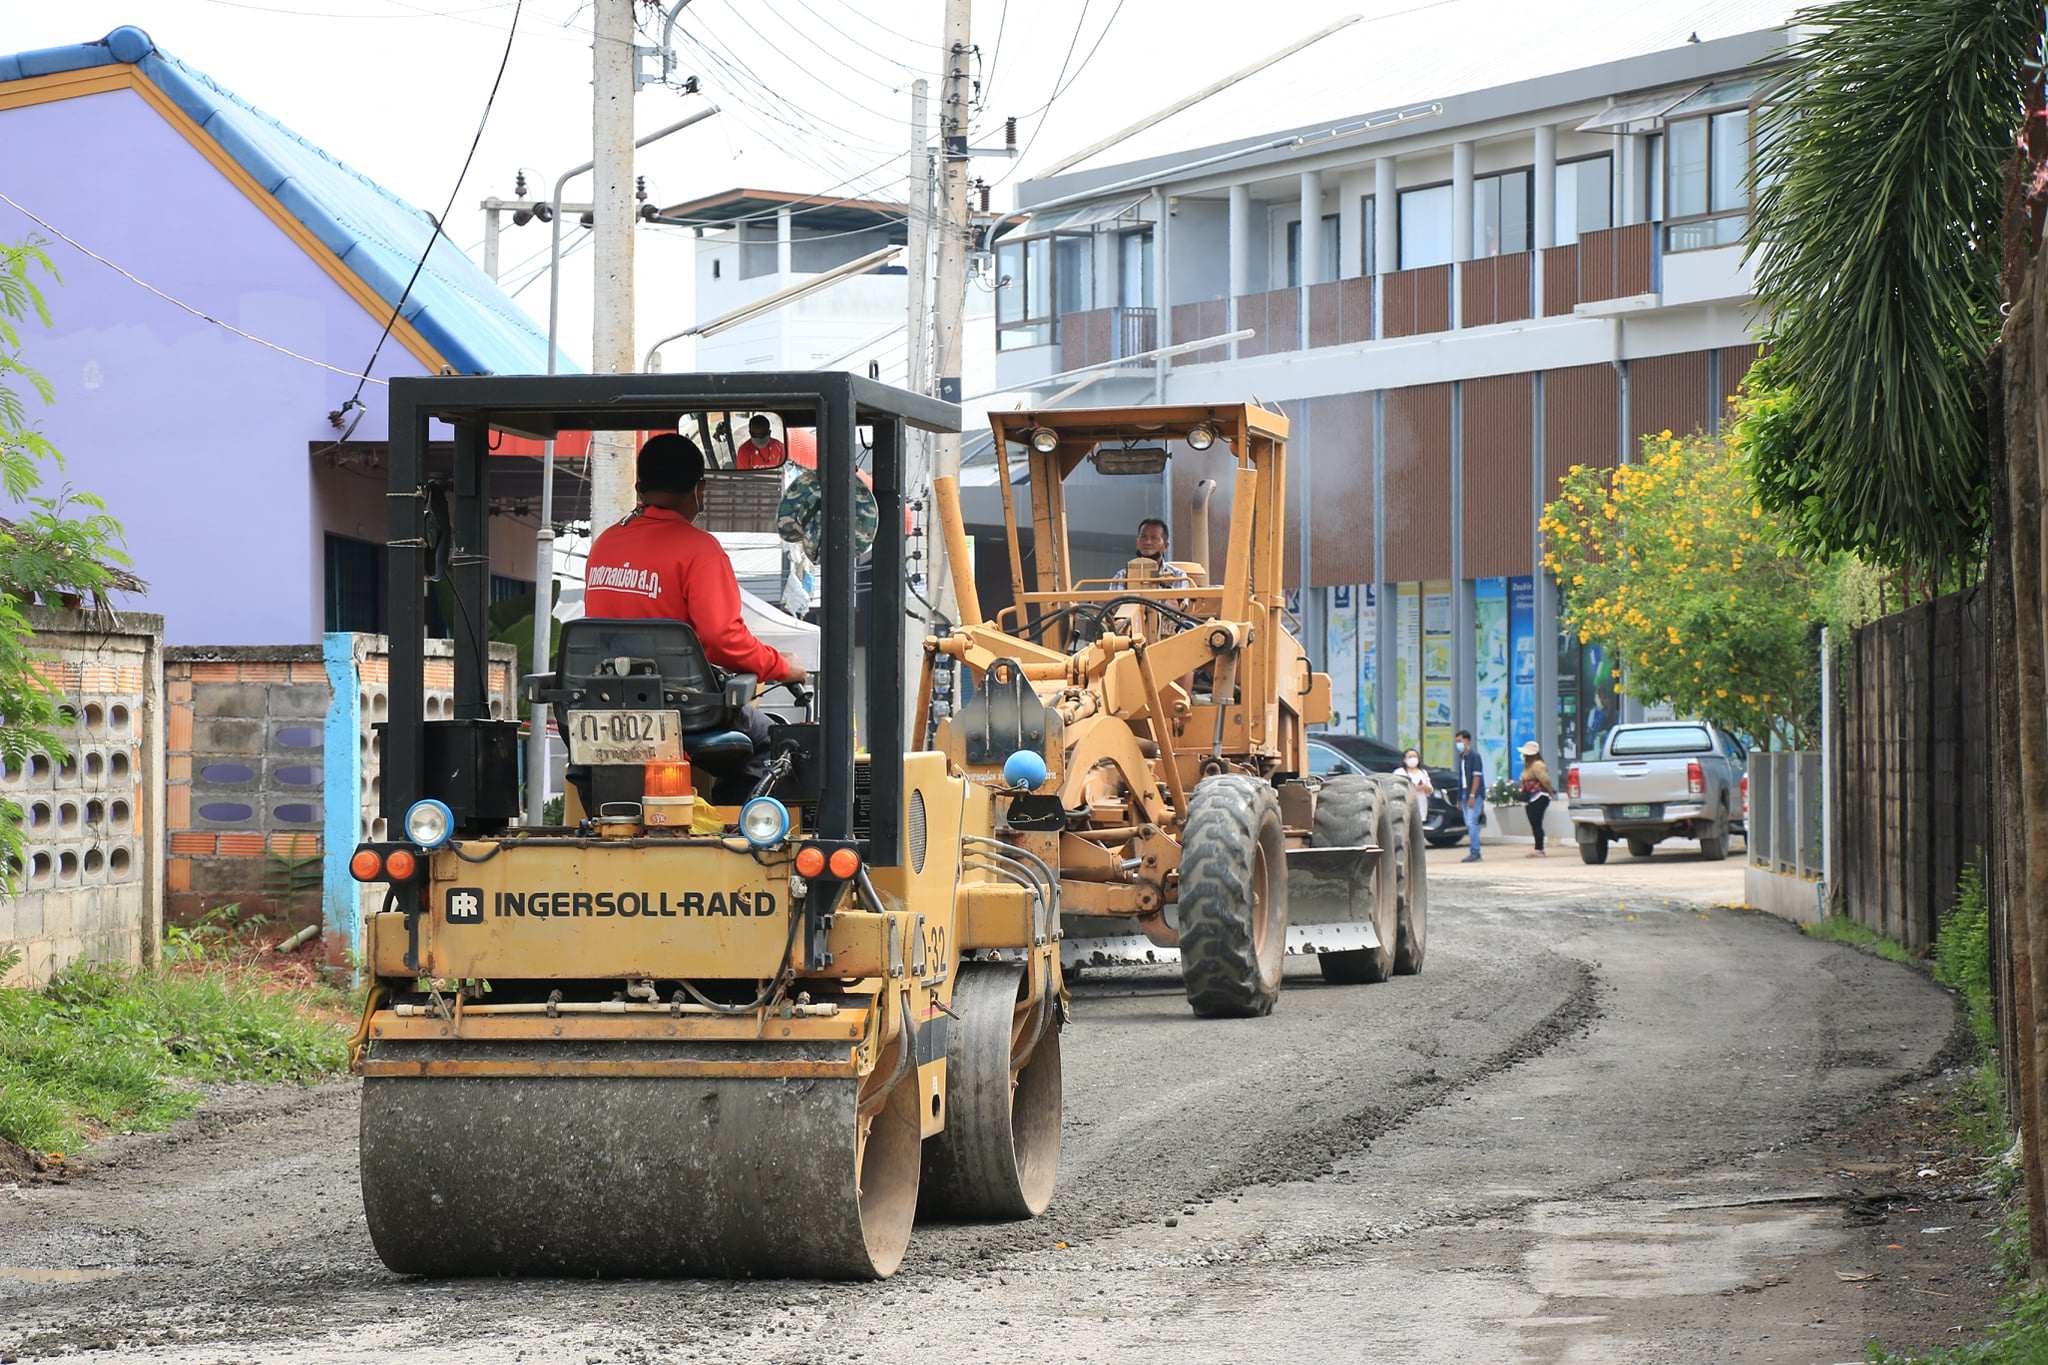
(1660, 780)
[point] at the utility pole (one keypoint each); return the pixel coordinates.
(954, 227)
(919, 204)
(612, 208)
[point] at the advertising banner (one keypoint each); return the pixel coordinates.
(1490, 675)
(1367, 598)
(1408, 665)
(1522, 718)
(1340, 656)
(1438, 699)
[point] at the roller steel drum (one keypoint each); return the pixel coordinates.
(635, 1176)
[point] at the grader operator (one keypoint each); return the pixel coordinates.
(688, 1031)
(1179, 815)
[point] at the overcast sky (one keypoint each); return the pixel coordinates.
(814, 93)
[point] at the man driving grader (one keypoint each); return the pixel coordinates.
(1179, 816)
(681, 1033)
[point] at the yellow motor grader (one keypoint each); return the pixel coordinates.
(1177, 813)
(738, 1013)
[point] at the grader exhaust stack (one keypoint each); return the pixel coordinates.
(1178, 816)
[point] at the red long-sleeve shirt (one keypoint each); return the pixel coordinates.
(655, 564)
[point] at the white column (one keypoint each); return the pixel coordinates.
(782, 245)
(1240, 240)
(1546, 185)
(1461, 201)
(1386, 233)
(1632, 155)
(1311, 228)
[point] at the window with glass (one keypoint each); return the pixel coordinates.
(1585, 197)
(1503, 208)
(1706, 167)
(1037, 280)
(1423, 220)
(1368, 237)
(1329, 257)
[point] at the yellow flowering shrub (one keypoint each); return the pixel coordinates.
(1672, 565)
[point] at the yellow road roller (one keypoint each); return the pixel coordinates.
(745, 1008)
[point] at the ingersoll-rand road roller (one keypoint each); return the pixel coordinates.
(733, 1013)
(1179, 815)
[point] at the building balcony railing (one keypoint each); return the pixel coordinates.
(1105, 334)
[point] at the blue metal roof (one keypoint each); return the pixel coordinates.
(458, 309)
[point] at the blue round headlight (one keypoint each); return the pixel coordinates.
(429, 823)
(765, 821)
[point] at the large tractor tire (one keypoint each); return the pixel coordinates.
(1233, 898)
(1411, 877)
(1000, 1153)
(1353, 810)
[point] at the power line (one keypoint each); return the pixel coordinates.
(455, 189)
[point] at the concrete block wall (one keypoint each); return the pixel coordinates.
(274, 773)
(92, 878)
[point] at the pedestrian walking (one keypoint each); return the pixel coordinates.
(1536, 792)
(1471, 789)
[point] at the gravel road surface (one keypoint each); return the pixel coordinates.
(1588, 1132)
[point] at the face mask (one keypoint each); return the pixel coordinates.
(1461, 746)
(1412, 761)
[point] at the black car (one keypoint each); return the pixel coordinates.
(1327, 754)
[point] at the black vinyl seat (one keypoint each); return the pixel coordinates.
(655, 664)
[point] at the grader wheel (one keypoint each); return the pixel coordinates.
(1353, 810)
(1411, 877)
(1000, 1152)
(1233, 898)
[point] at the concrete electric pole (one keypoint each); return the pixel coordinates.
(611, 346)
(954, 228)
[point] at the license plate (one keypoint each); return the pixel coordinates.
(1635, 812)
(601, 737)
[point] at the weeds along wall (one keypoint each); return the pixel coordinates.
(91, 884)
(273, 776)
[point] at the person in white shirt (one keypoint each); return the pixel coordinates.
(1418, 777)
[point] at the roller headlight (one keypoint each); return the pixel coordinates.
(1044, 440)
(429, 823)
(765, 821)
(1201, 436)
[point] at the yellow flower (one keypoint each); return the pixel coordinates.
(1720, 691)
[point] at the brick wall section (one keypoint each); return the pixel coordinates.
(244, 803)
(1340, 312)
(1276, 318)
(91, 879)
(1193, 321)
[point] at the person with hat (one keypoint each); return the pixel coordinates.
(1536, 792)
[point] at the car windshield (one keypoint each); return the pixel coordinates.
(1323, 760)
(1661, 739)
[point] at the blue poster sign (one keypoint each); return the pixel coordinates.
(1522, 665)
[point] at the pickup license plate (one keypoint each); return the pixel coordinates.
(601, 737)
(1635, 812)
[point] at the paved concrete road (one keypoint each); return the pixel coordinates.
(1572, 1138)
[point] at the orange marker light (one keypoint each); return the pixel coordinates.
(366, 866)
(845, 864)
(668, 779)
(810, 860)
(400, 866)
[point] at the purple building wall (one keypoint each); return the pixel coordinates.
(196, 437)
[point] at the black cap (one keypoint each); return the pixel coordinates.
(669, 463)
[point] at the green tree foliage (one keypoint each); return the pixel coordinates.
(52, 545)
(1876, 240)
(1673, 566)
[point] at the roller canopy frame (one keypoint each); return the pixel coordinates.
(544, 406)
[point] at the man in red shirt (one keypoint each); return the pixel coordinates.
(657, 564)
(760, 451)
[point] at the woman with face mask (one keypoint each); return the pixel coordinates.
(1418, 776)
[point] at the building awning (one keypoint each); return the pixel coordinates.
(1621, 115)
(1070, 219)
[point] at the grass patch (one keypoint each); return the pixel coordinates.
(1842, 929)
(1962, 961)
(103, 1048)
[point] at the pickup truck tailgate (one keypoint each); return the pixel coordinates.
(1636, 788)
